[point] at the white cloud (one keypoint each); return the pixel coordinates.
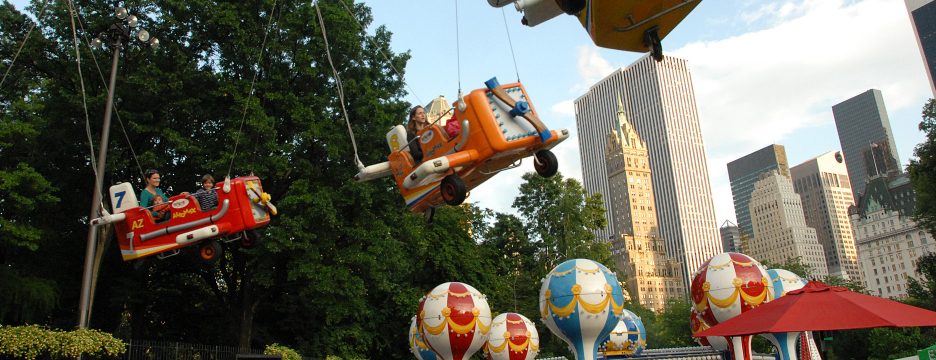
(787, 77)
(591, 67)
(564, 108)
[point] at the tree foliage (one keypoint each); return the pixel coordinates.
(922, 288)
(922, 170)
(562, 218)
(794, 265)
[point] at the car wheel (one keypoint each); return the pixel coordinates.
(250, 239)
(453, 190)
(210, 251)
(545, 163)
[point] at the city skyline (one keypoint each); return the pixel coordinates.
(659, 100)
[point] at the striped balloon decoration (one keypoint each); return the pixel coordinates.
(419, 347)
(627, 339)
(784, 281)
(512, 337)
(454, 319)
(727, 285)
(697, 325)
(581, 302)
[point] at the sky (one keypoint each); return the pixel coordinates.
(764, 72)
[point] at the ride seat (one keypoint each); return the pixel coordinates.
(123, 198)
(396, 138)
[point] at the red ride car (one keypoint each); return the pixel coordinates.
(242, 207)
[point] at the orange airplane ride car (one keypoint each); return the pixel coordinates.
(499, 128)
(242, 207)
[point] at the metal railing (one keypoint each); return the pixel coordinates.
(171, 350)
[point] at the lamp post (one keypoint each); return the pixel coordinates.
(117, 37)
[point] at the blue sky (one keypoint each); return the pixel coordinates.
(764, 72)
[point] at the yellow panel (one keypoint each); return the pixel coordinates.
(620, 24)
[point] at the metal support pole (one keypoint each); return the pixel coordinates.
(86, 280)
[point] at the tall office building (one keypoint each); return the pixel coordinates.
(822, 183)
(780, 230)
(730, 237)
(745, 171)
(923, 18)
(660, 102)
(863, 126)
(651, 276)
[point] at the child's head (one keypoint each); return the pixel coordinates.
(158, 200)
(207, 182)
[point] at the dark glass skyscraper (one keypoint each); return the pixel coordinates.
(745, 171)
(923, 17)
(866, 138)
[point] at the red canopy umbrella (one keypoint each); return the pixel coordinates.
(818, 306)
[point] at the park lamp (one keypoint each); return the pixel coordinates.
(119, 32)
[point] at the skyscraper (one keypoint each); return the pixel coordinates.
(863, 125)
(651, 276)
(780, 230)
(923, 18)
(822, 183)
(659, 100)
(745, 171)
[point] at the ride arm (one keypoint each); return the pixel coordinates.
(107, 218)
(375, 171)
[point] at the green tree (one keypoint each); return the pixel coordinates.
(794, 265)
(671, 328)
(921, 290)
(28, 292)
(561, 217)
(922, 170)
(893, 343)
(850, 284)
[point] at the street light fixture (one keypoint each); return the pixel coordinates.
(116, 37)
